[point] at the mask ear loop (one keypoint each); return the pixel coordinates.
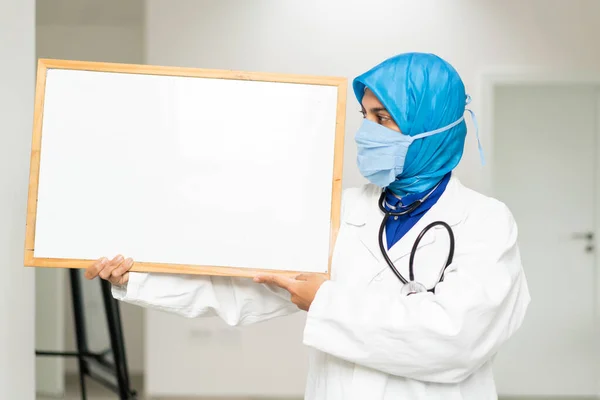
(481, 155)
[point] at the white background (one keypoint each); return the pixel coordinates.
(347, 37)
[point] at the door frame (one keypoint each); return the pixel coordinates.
(489, 81)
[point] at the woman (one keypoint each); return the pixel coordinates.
(368, 339)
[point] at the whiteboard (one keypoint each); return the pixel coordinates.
(185, 170)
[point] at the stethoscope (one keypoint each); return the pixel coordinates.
(411, 286)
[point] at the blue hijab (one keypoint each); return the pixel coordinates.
(422, 93)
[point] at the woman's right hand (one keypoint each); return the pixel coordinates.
(116, 271)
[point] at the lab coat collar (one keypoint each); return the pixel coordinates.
(366, 215)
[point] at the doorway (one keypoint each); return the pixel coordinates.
(545, 168)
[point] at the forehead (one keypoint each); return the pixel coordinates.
(369, 100)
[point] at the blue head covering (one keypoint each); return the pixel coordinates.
(422, 93)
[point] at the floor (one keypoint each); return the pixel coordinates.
(97, 392)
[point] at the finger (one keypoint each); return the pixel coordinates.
(122, 270)
(122, 280)
(114, 263)
(281, 281)
(93, 270)
(110, 266)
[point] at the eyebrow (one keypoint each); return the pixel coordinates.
(376, 109)
(379, 109)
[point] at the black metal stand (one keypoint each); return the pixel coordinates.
(118, 367)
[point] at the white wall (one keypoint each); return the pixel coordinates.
(17, 52)
(346, 37)
(81, 37)
(91, 42)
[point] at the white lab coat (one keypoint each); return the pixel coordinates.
(366, 341)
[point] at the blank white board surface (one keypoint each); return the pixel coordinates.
(187, 170)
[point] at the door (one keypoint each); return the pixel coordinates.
(545, 171)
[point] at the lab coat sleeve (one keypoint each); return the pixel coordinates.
(440, 338)
(238, 301)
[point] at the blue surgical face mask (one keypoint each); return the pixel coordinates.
(382, 151)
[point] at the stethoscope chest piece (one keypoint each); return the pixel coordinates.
(412, 287)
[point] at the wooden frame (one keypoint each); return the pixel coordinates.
(45, 64)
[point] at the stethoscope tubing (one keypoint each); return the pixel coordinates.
(412, 207)
(413, 252)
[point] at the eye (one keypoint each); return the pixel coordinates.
(383, 118)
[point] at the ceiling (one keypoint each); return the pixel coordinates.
(90, 12)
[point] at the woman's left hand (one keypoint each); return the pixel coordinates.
(303, 288)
